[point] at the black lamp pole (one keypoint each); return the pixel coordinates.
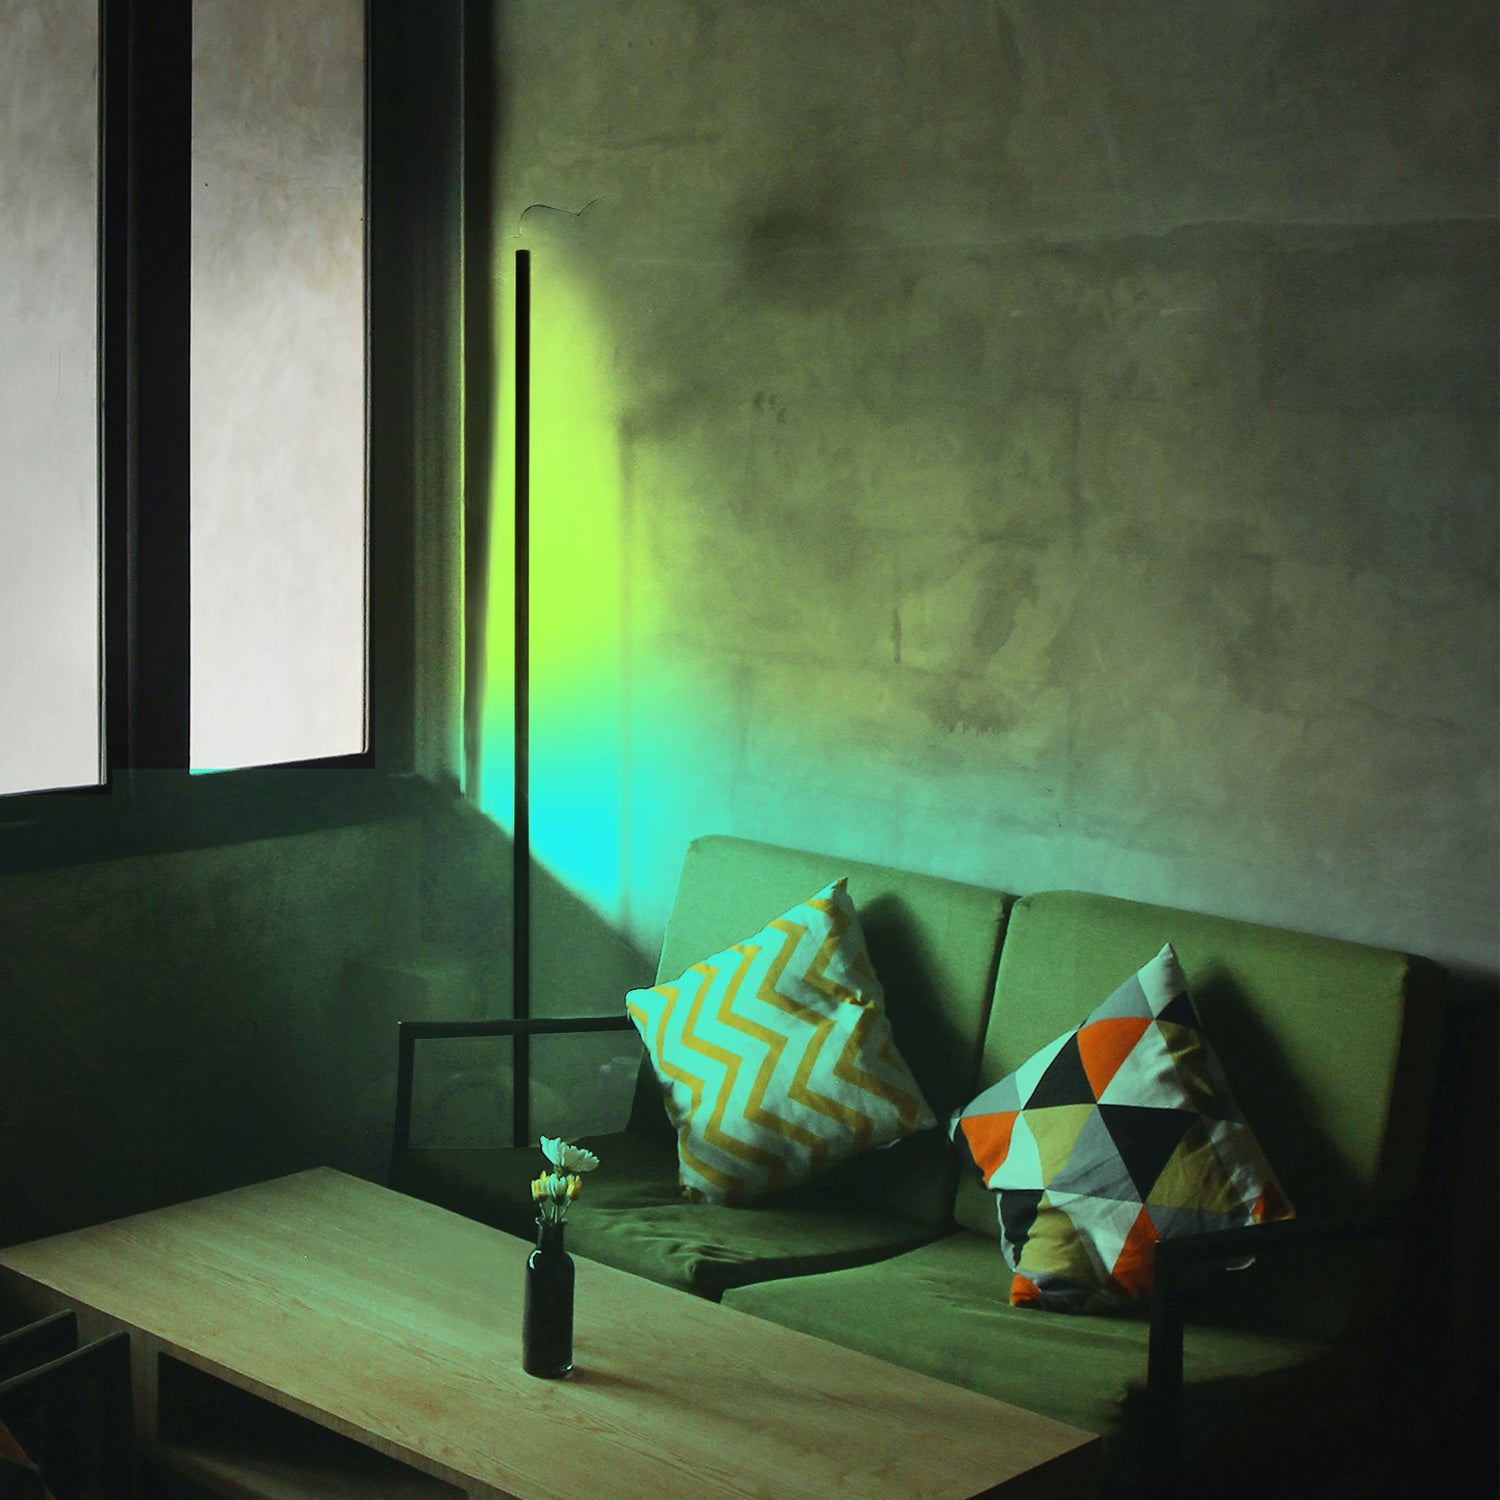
(521, 844)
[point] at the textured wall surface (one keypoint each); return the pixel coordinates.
(1052, 444)
(179, 1023)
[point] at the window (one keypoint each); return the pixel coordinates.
(254, 198)
(258, 114)
(277, 382)
(51, 729)
(183, 520)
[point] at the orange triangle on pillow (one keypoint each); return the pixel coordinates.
(1104, 1044)
(1024, 1292)
(989, 1138)
(1131, 1272)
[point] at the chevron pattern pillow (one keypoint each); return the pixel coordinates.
(1114, 1136)
(775, 1056)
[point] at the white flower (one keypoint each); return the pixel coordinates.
(568, 1158)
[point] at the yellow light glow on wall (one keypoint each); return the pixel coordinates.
(578, 592)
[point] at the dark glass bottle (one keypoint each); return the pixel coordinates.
(547, 1322)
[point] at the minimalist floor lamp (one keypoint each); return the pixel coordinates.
(521, 818)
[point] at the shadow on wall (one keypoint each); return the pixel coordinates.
(464, 1090)
(172, 1020)
(179, 1023)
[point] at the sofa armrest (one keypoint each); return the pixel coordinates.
(409, 1033)
(1173, 1265)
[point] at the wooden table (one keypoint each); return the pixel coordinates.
(321, 1336)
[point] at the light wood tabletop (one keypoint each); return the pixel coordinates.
(389, 1330)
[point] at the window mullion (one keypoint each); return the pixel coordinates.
(154, 569)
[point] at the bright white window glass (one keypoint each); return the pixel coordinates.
(50, 717)
(278, 614)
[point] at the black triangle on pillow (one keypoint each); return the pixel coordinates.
(1145, 1137)
(1018, 1208)
(965, 1151)
(1064, 1082)
(1181, 1010)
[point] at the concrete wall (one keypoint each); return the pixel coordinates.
(173, 1024)
(1043, 442)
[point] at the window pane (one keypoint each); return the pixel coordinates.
(278, 383)
(49, 482)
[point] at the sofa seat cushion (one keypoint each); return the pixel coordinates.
(943, 1310)
(632, 1216)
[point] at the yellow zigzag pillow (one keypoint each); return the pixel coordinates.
(776, 1057)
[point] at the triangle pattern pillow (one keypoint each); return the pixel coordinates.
(1112, 1137)
(776, 1058)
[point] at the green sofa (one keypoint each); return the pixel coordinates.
(1331, 1048)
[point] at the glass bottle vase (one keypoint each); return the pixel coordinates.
(547, 1319)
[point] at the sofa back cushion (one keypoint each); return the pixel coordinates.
(1331, 1049)
(934, 944)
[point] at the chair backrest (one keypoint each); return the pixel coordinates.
(1331, 1048)
(934, 944)
(70, 1414)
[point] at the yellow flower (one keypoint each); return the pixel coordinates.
(553, 1191)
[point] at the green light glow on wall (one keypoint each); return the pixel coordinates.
(578, 593)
